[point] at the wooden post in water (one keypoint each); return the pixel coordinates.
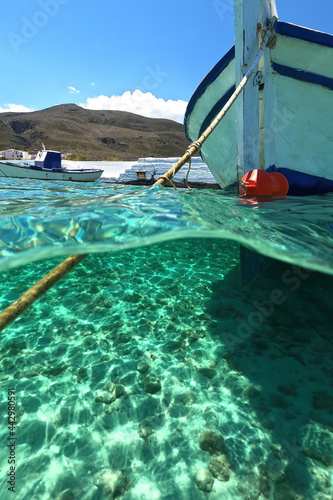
(251, 19)
(247, 106)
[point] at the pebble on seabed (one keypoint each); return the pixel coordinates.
(204, 480)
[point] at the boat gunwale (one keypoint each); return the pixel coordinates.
(281, 28)
(302, 33)
(209, 78)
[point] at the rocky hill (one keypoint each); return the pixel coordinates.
(97, 135)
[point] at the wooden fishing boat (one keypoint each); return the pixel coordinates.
(47, 166)
(283, 120)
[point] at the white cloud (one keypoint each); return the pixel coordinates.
(15, 108)
(73, 90)
(141, 103)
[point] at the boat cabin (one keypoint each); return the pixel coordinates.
(50, 160)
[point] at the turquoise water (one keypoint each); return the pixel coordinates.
(149, 372)
(43, 221)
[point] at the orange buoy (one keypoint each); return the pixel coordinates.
(260, 183)
(280, 184)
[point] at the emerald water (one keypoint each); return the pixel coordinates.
(149, 372)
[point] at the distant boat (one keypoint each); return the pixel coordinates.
(48, 167)
(283, 121)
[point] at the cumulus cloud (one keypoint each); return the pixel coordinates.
(15, 108)
(141, 103)
(73, 90)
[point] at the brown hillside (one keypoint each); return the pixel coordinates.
(98, 135)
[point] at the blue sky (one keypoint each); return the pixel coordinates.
(144, 56)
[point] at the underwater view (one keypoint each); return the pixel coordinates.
(149, 371)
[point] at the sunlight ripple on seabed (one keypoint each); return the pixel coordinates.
(150, 372)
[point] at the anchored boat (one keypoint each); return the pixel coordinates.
(283, 120)
(48, 167)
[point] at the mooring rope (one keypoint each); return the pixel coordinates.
(167, 180)
(196, 145)
(187, 174)
(36, 291)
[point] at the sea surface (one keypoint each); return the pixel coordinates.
(149, 371)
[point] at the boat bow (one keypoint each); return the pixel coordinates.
(280, 122)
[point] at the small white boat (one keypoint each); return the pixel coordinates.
(283, 120)
(48, 167)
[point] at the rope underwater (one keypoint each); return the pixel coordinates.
(36, 291)
(16, 308)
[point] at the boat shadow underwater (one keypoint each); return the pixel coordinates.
(278, 367)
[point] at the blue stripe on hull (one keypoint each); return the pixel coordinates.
(216, 109)
(303, 76)
(301, 184)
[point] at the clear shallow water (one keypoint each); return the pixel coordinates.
(149, 371)
(41, 220)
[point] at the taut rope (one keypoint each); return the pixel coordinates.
(36, 291)
(196, 146)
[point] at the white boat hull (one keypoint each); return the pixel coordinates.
(289, 127)
(9, 169)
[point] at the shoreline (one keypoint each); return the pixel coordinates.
(151, 182)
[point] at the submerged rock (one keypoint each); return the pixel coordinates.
(66, 495)
(122, 338)
(219, 467)
(53, 370)
(119, 391)
(290, 390)
(111, 484)
(318, 456)
(173, 345)
(145, 430)
(212, 441)
(251, 392)
(287, 487)
(104, 397)
(268, 424)
(143, 365)
(152, 384)
(194, 335)
(207, 372)
(322, 400)
(187, 398)
(278, 401)
(204, 480)
(132, 297)
(81, 375)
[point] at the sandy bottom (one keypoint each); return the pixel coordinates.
(152, 374)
